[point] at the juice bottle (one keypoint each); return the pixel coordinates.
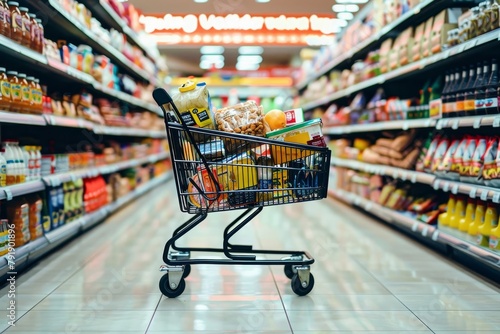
(445, 96)
(41, 36)
(25, 93)
(15, 91)
(459, 213)
(470, 95)
(469, 98)
(479, 93)
(490, 93)
(37, 95)
(470, 211)
(495, 15)
(16, 28)
(460, 95)
(495, 238)
(478, 221)
(26, 22)
(484, 230)
(444, 218)
(26, 155)
(3, 169)
(7, 18)
(35, 39)
(60, 205)
(487, 16)
(5, 99)
(35, 216)
(23, 167)
(452, 100)
(3, 21)
(10, 160)
(32, 94)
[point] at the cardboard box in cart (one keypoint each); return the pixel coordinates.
(307, 133)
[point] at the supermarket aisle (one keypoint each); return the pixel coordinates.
(368, 278)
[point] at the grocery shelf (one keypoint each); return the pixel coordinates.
(21, 52)
(426, 64)
(420, 229)
(106, 14)
(396, 173)
(63, 233)
(10, 192)
(58, 179)
(17, 118)
(481, 192)
(124, 131)
(379, 126)
(58, 16)
(68, 122)
(127, 98)
(419, 13)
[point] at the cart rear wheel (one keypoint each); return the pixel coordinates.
(298, 288)
(168, 291)
(289, 270)
(187, 270)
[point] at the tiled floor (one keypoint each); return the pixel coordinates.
(368, 279)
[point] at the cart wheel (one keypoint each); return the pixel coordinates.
(167, 291)
(187, 270)
(289, 271)
(298, 288)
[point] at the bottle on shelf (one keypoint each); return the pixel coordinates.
(3, 169)
(3, 20)
(479, 93)
(22, 166)
(452, 104)
(478, 221)
(491, 93)
(26, 22)
(460, 93)
(25, 93)
(7, 20)
(26, 157)
(459, 213)
(446, 94)
(5, 99)
(468, 219)
(15, 91)
(41, 36)
(16, 30)
(484, 231)
(435, 97)
(470, 99)
(495, 238)
(9, 155)
(34, 32)
(444, 218)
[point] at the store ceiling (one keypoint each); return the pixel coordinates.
(185, 59)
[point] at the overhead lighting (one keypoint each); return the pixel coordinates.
(345, 16)
(212, 58)
(262, 1)
(345, 8)
(250, 50)
(200, 1)
(247, 67)
(250, 59)
(352, 1)
(212, 50)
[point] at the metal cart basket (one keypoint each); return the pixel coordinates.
(221, 171)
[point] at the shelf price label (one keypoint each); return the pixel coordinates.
(455, 124)
(496, 122)
(496, 197)
(454, 189)
(477, 123)
(446, 186)
(406, 126)
(473, 192)
(440, 124)
(484, 195)
(414, 228)
(436, 185)
(8, 194)
(435, 235)
(425, 231)
(414, 177)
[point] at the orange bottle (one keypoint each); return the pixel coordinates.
(16, 27)
(15, 91)
(5, 99)
(25, 93)
(26, 21)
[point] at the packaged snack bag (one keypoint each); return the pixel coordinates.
(466, 165)
(456, 161)
(444, 167)
(490, 169)
(439, 154)
(477, 161)
(430, 153)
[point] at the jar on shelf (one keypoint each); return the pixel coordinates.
(41, 36)
(16, 28)
(25, 93)
(26, 21)
(15, 91)
(3, 19)
(5, 99)
(35, 30)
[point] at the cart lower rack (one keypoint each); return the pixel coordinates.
(218, 171)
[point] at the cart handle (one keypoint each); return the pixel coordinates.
(162, 98)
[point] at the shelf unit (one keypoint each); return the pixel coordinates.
(420, 229)
(452, 123)
(37, 248)
(425, 65)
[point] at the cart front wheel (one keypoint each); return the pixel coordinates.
(187, 270)
(289, 271)
(168, 291)
(298, 288)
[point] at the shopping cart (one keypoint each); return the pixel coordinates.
(217, 171)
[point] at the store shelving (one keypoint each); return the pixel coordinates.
(441, 59)
(419, 13)
(420, 229)
(106, 14)
(61, 18)
(34, 249)
(16, 118)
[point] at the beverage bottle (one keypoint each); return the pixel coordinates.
(15, 91)
(479, 93)
(60, 205)
(38, 163)
(25, 93)
(3, 169)
(490, 93)
(445, 95)
(435, 97)
(470, 211)
(5, 99)
(460, 94)
(26, 22)
(7, 18)
(3, 20)
(21, 164)
(478, 221)
(452, 102)
(470, 99)
(459, 213)
(26, 157)
(495, 15)
(484, 230)
(32, 163)
(444, 218)
(10, 158)
(495, 238)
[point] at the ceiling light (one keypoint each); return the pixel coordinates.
(200, 1)
(262, 1)
(212, 58)
(246, 67)
(345, 16)
(352, 1)
(345, 8)
(250, 50)
(212, 50)
(250, 59)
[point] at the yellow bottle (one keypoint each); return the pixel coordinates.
(444, 218)
(470, 210)
(478, 221)
(495, 238)
(484, 231)
(459, 213)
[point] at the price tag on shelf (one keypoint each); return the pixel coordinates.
(436, 185)
(446, 54)
(404, 176)
(73, 177)
(439, 124)
(414, 228)
(461, 48)
(496, 197)
(473, 192)
(357, 201)
(8, 194)
(368, 206)
(455, 124)
(406, 126)
(477, 123)
(454, 189)
(428, 123)
(470, 44)
(395, 174)
(381, 79)
(484, 195)
(414, 177)
(446, 186)
(435, 235)
(425, 231)
(496, 122)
